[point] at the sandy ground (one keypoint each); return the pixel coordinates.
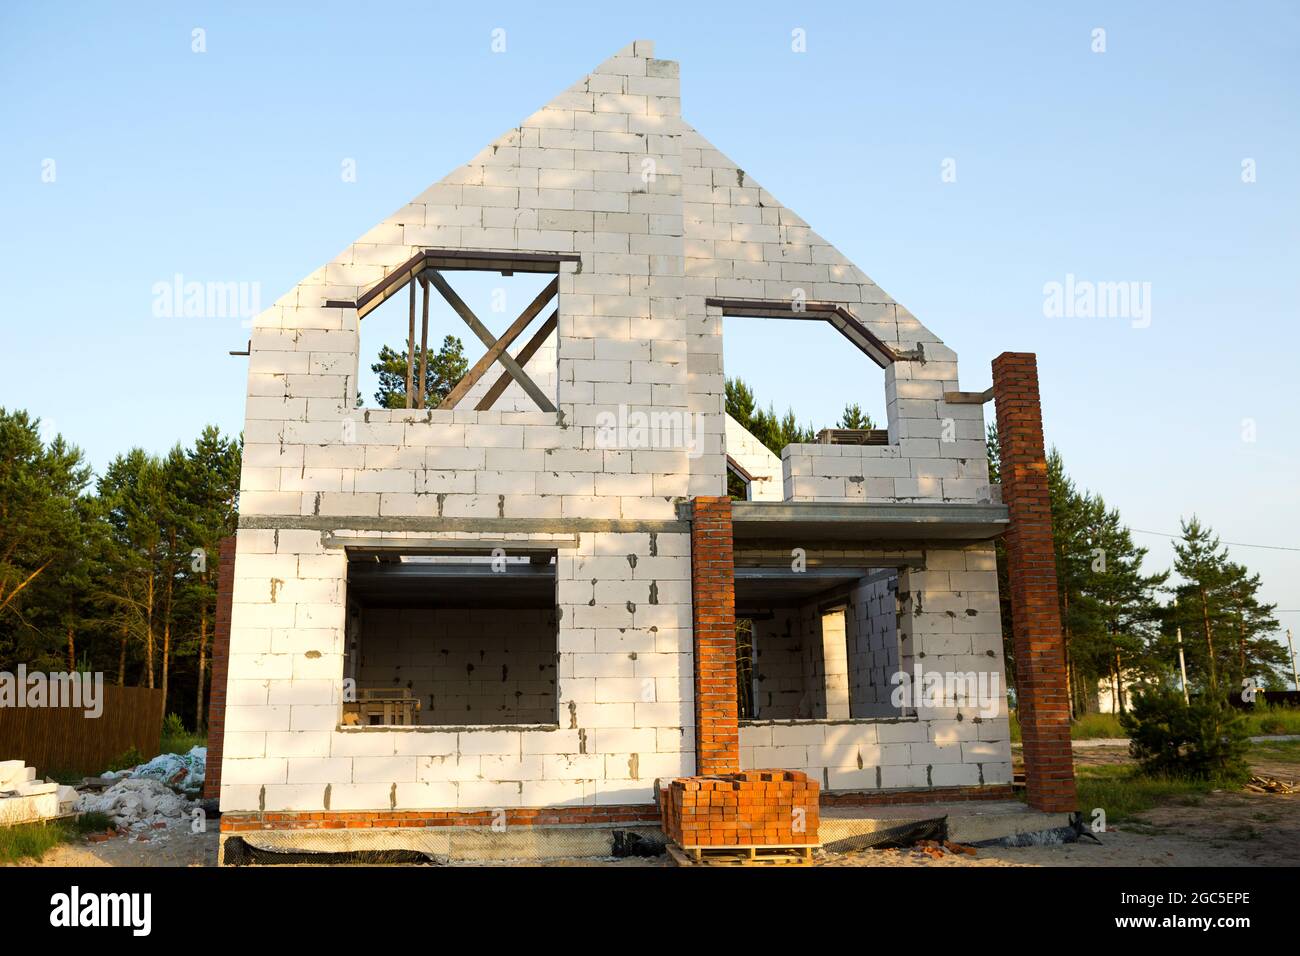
(173, 849)
(1219, 829)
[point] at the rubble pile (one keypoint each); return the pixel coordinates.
(139, 804)
(181, 772)
(159, 794)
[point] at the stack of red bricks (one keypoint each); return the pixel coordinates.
(752, 808)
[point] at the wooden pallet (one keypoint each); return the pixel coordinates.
(741, 855)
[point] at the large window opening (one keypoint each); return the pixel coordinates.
(465, 330)
(818, 644)
(825, 409)
(442, 639)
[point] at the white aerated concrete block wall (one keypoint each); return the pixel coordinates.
(595, 172)
(624, 707)
(937, 453)
(660, 221)
(950, 624)
(767, 483)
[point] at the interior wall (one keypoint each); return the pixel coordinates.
(834, 677)
(832, 666)
(789, 666)
(872, 637)
(494, 666)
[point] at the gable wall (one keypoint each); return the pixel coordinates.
(634, 334)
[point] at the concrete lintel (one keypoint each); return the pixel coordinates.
(813, 521)
(447, 546)
(835, 721)
(444, 728)
(415, 524)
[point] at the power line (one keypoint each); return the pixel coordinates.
(1231, 544)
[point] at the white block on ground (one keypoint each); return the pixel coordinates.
(15, 810)
(9, 771)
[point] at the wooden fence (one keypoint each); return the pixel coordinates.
(63, 740)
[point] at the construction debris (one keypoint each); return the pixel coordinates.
(158, 795)
(937, 850)
(139, 804)
(1259, 784)
(181, 772)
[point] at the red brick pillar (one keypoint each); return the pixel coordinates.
(220, 667)
(1042, 698)
(713, 596)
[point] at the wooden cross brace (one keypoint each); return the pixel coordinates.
(496, 347)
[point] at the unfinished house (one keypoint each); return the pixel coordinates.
(522, 604)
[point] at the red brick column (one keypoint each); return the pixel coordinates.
(713, 596)
(1042, 699)
(220, 667)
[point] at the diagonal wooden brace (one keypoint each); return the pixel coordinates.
(496, 348)
(525, 354)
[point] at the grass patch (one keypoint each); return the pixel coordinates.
(1263, 721)
(1096, 727)
(1267, 720)
(92, 821)
(182, 742)
(1287, 751)
(1123, 791)
(1087, 727)
(31, 840)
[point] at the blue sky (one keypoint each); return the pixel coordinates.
(1119, 166)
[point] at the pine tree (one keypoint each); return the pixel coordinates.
(1125, 606)
(1226, 628)
(773, 432)
(42, 524)
(1258, 657)
(1109, 613)
(446, 367)
(210, 496)
(854, 417)
(1202, 564)
(133, 493)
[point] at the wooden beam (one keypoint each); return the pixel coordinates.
(465, 259)
(526, 353)
(496, 348)
(968, 398)
(424, 343)
(410, 354)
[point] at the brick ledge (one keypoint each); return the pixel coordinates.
(628, 814)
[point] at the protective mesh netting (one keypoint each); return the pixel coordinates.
(843, 835)
(437, 844)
